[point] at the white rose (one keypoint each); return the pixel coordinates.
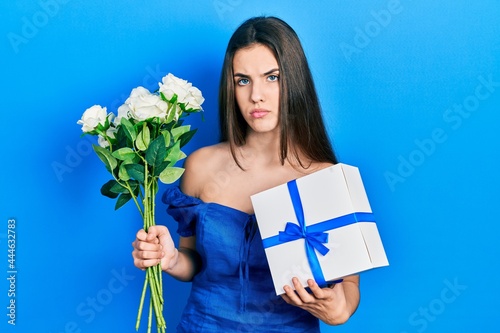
(194, 99)
(92, 117)
(124, 111)
(144, 105)
(173, 85)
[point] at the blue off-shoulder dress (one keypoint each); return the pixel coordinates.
(233, 292)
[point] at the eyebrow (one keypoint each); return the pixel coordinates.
(266, 73)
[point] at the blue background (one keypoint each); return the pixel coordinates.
(391, 76)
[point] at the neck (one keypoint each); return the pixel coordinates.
(262, 149)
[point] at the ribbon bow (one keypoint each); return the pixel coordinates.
(315, 239)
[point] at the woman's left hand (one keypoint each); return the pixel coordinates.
(333, 305)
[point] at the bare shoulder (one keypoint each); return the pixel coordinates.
(200, 164)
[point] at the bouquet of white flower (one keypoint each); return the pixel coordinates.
(139, 147)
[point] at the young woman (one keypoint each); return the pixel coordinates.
(272, 132)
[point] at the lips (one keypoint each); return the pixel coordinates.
(259, 113)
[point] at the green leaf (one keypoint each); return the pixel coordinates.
(122, 171)
(154, 125)
(106, 189)
(160, 168)
(122, 200)
(171, 174)
(106, 157)
(117, 188)
(143, 138)
(171, 110)
(178, 131)
(163, 97)
(185, 137)
(124, 154)
(156, 152)
(129, 129)
(121, 138)
(167, 136)
(136, 171)
(173, 153)
(182, 156)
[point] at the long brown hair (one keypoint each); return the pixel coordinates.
(302, 130)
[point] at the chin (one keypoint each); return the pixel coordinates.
(264, 129)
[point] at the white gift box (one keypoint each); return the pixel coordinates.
(334, 203)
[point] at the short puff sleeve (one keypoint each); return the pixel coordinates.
(184, 209)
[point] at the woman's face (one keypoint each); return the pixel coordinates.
(256, 81)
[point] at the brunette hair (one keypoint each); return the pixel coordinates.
(302, 130)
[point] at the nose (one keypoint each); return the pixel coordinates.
(257, 94)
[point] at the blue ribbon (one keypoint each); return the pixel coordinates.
(314, 235)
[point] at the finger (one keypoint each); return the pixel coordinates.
(318, 292)
(143, 264)
(149, 254)
(286, 298)
(290, 296)
(146, 246)
(305, 296)
(141, 235)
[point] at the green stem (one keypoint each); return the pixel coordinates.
(150, 316)
(159, 281)
(141, 304)
(153, 274)
(110, 144)
(127, 185)
(154, 296)
(154, 284)
(147, 198)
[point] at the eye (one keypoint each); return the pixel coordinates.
(273, 78)
(243, 82)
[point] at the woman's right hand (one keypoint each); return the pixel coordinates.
(154, 247)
